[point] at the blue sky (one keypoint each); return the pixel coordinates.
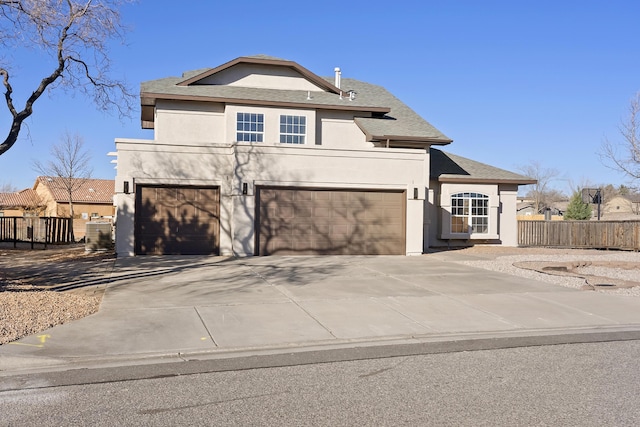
(509, 81)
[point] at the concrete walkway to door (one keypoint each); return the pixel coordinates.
(158, 307)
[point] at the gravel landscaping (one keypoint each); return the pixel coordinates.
(30, 302)
(26, 311)
(619, 270)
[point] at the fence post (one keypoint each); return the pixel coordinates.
(46, 232)
(15, 233)
(33, 233)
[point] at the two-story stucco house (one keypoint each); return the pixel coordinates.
(261, 156)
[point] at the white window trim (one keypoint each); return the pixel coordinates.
(468, 198)
(292, 134)
(258, 133)
(447, 210)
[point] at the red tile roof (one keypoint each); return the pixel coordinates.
(90, 191)
(24, 198)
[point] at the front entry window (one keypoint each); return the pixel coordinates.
(470, 213)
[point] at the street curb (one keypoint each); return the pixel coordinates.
(127, 368)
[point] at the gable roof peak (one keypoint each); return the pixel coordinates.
(262, 59)
(266, 57)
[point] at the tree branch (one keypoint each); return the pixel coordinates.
(74, 32)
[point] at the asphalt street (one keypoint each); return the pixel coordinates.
(571, 385)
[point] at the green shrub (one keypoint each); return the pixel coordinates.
(577, 209)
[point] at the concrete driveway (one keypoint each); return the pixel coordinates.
(156, 306)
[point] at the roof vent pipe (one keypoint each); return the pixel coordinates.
(338, 74)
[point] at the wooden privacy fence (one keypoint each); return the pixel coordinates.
(35, 230)
(580, 234)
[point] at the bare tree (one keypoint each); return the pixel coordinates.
(623, 155)
(75, 33)
(541, 192)
(69, 167)
(7, 187)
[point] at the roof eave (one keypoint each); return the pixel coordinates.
(409, 141)
(148, 100)
(471, 180)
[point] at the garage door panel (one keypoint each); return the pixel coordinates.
(303, 230)
(303, 221)
(324, 196)
(303, 211)
(285, 211)
(343, 196)
(177, 220)
(282, 196)
(302, 196)
(322, 213)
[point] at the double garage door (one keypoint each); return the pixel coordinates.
(186, 220)
(328, 221)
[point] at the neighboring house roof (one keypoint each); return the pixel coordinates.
(628, 198)
(392, 121)
(446, 167)
(20, 199)
(560, 205)
(96, 191)
(524, 207)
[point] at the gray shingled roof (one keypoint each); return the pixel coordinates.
(169, 86)
(450, 167)
(399, 122)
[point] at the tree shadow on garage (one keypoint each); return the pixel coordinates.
(176, 221)
(330, 222)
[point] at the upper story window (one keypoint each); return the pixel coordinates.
(469, 213)
(293, 129)
(250, 127)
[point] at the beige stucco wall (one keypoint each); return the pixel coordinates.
(11, 212)
(230, 165)
(189, 122)
(51, 209)
(337, 129)
(508, 220)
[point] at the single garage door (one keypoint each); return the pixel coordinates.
(329, 221)
(177, 220)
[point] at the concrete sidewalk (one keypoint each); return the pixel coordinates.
(157, 307)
